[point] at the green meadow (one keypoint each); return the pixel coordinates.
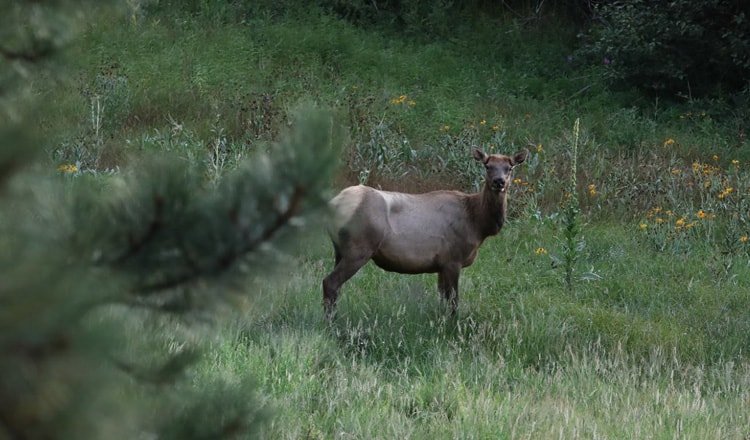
(649, 337)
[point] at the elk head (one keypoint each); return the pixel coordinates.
(499, 168)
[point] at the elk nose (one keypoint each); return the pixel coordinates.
(499, 182)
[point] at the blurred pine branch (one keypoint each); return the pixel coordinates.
(82, 256)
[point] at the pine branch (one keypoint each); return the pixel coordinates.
(165, 374)
(30, 56)
(9, 430)
(280, 221)
(156, 224)
(49, 347)
(232, 256)
(174, 306)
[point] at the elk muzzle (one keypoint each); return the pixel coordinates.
(498, 184)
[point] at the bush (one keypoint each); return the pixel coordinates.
(412, 16)
(682, 48)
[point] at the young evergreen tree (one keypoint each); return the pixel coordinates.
(90, 266)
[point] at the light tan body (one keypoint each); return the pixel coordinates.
(412, 233)
(437, 232)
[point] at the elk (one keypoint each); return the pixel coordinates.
(435, 232)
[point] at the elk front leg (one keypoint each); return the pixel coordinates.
(345, 268)
(448, 286)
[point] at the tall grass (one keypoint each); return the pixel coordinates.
(524, 361)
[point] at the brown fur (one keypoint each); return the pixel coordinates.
(436, 232)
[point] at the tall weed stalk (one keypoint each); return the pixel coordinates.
(572, 225)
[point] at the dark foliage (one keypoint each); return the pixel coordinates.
(673, 48)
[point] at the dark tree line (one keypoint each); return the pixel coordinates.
(672, 48)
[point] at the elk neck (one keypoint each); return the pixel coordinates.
(487, 210)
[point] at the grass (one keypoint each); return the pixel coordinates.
(652, 341)
(525, 359)
(514, 80)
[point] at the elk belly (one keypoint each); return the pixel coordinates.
(413, 253)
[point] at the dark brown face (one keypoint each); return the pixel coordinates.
(499, 172)
(499, 168)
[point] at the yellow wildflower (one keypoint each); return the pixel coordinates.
(495, 127)
(659, 220)
(735, 162)
(592, 190)
(540, 251)
(643, 226)
(715, 157)
(669, 142)
(676, 171)
(517, 181)
(653, 211)
(400, 100)
(67, 168)
(725, 193)
(702, 214)
(744, 239)
(483, 122)
(696, 166)
(412, 103)
(680, 222)
(709, 169)
(539, 148)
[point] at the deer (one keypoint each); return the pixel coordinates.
(435, 232)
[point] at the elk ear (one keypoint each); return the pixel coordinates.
(480, 155)
(520, 157)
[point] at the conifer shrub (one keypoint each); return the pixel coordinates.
(105, 275)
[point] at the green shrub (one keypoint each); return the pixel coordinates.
(685, 48)
(410, 16)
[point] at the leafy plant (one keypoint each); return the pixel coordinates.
(571, 221)
(677, 48)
